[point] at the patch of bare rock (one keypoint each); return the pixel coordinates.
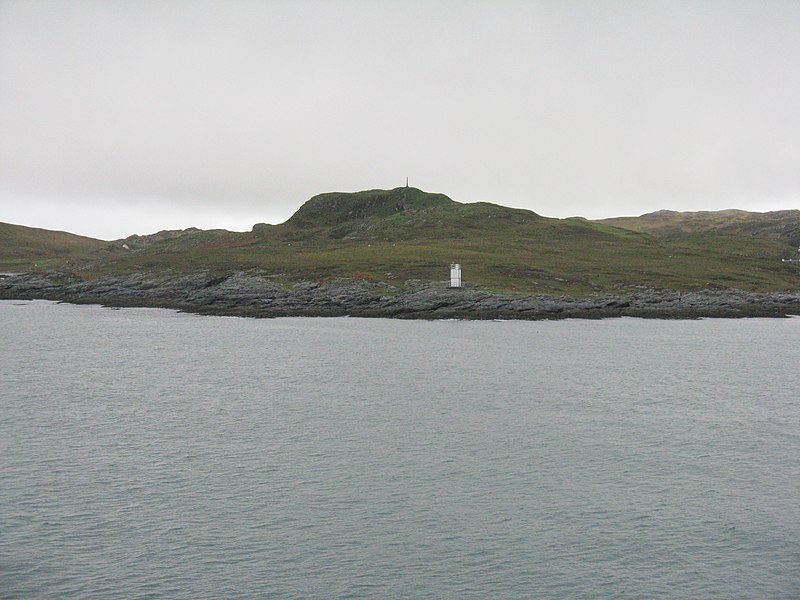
(261, 295)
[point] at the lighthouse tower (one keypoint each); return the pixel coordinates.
(455, 275)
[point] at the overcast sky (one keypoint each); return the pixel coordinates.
(121, 117)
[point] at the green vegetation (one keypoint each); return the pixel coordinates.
(28, 248)
(401, 234)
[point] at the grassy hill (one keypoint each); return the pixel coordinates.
(405, 233)
(783, 225)
(26, 248)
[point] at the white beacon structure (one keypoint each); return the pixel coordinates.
(455, 275)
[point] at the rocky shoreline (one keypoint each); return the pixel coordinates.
(254, 294)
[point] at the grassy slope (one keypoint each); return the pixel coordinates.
(396, 235)
(783, 224)
(757, 241)
(26, 248)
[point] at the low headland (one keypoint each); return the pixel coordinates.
(386, 253)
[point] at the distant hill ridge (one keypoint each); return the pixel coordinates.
(389, 237)
(782, 223)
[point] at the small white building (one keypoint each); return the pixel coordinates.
(455, 275)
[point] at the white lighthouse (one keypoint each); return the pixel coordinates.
(455, 275)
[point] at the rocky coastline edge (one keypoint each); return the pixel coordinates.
(255, 294)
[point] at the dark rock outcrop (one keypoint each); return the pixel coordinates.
(260, 295)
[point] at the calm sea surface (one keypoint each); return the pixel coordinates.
(151, 454)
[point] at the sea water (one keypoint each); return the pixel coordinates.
(147, 453)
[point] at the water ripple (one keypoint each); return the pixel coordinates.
(349, 458)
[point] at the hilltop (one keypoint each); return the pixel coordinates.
(335, 208)
(394, 241)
